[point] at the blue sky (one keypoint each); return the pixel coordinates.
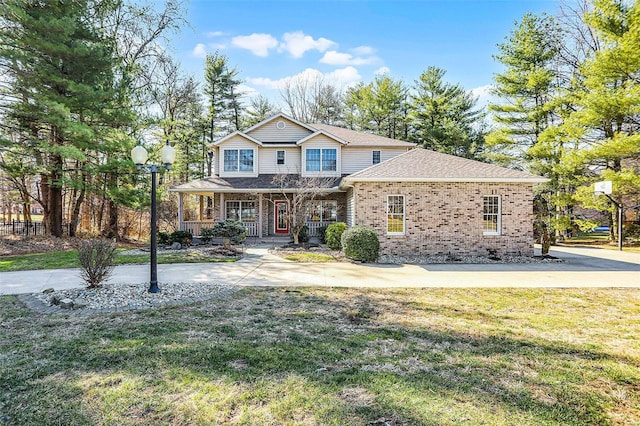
(350, 41)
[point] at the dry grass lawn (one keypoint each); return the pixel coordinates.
(331, 357)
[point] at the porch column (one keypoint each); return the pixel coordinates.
(201, 212)
(260, 215)
(180, 207)
(221, 206)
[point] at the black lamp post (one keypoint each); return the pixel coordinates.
(139, 156)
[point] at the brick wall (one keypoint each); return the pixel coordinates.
(443, 218)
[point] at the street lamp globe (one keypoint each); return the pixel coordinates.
(139, 155)
(168, 155)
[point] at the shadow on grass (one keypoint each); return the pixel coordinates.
(329, 344)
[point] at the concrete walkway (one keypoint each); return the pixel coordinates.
(582, 267)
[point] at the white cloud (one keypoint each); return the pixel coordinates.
(382, 71)
(200, 51)
(363, 51)
(341, 78)
(297, 43)
(258, 44)
(337, 58)
(212, 34)
(484, 95)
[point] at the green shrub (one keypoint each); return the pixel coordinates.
(164, 238)
(182, 237)
(231, 230)
(361, 243)
(632, 232)
(334, 234)
(322, 234)
(303, 235)
(206, 234)
(96, 261)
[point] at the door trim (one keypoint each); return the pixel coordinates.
(277, 204)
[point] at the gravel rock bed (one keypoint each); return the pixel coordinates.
(113, 296)
(414, 259)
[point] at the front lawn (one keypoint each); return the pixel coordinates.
(69, 259)
(314, 356)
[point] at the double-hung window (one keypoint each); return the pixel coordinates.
(238, 160)
(491, 215)
(395, 215)
(280, 157)
(323, 211)
(244, 211)
(375, 157)
(321, 160)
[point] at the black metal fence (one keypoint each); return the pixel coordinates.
(20, 227)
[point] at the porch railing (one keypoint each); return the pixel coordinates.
(314, 226)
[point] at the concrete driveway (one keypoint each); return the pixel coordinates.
(582, 267)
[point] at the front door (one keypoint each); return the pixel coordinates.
(282, 217)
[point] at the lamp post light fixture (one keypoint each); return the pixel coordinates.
(139, 156)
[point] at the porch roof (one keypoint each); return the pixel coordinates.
(264, 183)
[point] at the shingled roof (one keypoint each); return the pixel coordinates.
(354, 138)
(423, 165)
(262, 183)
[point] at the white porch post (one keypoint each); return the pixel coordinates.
(221, 206)
(180, 207)
(260, 215)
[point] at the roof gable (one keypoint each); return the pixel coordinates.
(323, 133)
(423, 165)
(234, 134)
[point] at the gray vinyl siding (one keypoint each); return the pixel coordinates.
(351, 207)
(269, 133)
(269, 164)
(355, 159)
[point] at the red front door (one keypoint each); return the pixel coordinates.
(282, 217)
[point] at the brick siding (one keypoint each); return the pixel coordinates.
(447, 218)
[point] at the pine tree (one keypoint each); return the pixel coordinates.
(443, 116)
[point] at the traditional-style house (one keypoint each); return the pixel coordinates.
(418, 201)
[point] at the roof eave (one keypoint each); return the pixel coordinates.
(444, 180)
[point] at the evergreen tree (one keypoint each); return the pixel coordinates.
(443, 117)
(60, 79)
(223, 96)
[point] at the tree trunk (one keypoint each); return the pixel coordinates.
(54, 190)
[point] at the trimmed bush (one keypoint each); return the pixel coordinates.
(231, 230)
(96, 261)
(322, 234)
(361, 243)
(303, 235)
(182, 237)
(334, 234)
(164, 238)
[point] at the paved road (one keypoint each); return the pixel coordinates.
(582, 267)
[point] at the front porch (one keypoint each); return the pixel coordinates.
(253, 228)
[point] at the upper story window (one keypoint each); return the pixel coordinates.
(376, 157)
(322, 160)
(238, 160)
(491, 215)
(395, 215)
(280, 157)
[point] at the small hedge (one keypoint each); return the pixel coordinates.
(182, 237)
(231, 230)
(361, 243)
(333, 235)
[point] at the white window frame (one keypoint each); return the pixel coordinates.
(322, 158)
(284, 157)
(240, 209)
(498, 215)
(404, 214)
(238, 159)
(373, 156)
(311, 205)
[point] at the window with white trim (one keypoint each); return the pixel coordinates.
(322, 211)
(238, 160)
(280, 157)
(491, 215)
(244, 211)
(395, 215)
(321, 160)
(375, 157)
